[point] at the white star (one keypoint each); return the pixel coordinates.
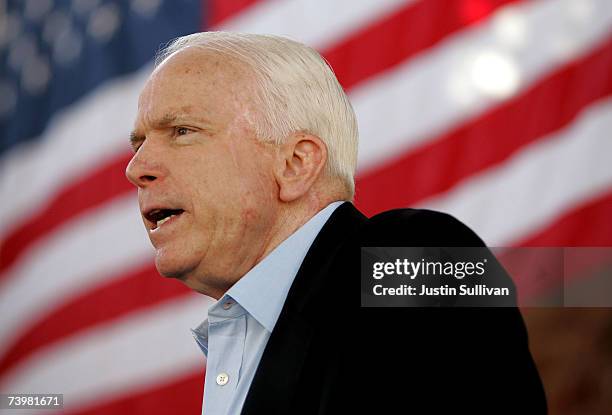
(104, 22)
(21, 49)
(10, 28)
(35, 10)
(35, 75)
(54, 24)
(83, 7)
(145, 8)
(9, 99)
(67, 46)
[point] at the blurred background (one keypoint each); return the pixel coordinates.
(496, 111)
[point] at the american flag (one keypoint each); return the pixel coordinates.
(496, 111)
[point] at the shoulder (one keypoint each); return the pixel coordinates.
(418, 227)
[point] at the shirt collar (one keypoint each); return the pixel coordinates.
(262, 291)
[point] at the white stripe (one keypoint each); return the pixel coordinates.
(84, 253)
(396, 111)
(317, 23)
(548, 178)
(144, 349)
(87, 134)
(429, 94)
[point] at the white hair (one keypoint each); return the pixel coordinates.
(297, 90)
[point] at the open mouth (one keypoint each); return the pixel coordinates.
(158, 217)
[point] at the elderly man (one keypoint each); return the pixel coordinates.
(245, 149)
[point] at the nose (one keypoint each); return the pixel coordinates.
(143, 169)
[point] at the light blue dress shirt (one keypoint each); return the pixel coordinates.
(238, 327)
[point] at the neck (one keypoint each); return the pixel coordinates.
(294, 215)
(290, 217)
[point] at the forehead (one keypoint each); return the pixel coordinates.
(194, 80)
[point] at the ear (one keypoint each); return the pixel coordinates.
(301, 159)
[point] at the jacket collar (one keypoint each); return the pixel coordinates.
(279, 369)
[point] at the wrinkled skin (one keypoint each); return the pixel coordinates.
(196, 150)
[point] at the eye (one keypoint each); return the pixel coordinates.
(182, 130)
(135, 143)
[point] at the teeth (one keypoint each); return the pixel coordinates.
(164, 220)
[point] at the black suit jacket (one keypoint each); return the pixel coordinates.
(328, 355)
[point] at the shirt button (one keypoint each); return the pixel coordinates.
(222, 379)
(228, 304)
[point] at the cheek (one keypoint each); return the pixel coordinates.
(235, 182)
(220, 201)
(259, 194)
(250, 216)
(253, 181)
(256, 196)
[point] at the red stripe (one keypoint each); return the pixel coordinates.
(220, 10)
(139, 289)
(85, 193)
(587, 225)
(542, 272)
(441, 163)
(401, 35)
(180, 396)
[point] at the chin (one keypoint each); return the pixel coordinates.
(186, 276)
(171, 267)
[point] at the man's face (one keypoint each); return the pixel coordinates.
(206, 188)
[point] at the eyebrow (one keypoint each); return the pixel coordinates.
(168, 119)
(164, 121)
(135, 138)
(179, 117)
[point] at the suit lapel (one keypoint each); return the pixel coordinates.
(279, 370)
